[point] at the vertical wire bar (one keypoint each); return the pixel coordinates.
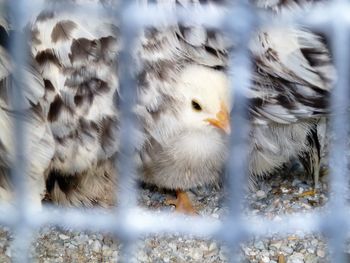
(18, 53)
(127, 174)
(237, 165)
(19, 170)
(340, 129)
(240, 66)
(128, 94)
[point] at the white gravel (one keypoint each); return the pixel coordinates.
(279, 195)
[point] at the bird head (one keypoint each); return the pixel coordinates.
(206, 98)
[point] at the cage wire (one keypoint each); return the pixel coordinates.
(129, 222)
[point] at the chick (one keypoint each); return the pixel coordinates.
(187, 144)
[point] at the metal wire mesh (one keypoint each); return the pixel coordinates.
(129, 222)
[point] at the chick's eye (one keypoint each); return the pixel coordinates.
(196, 106)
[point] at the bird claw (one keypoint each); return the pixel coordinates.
(308, 193)
(182, 203)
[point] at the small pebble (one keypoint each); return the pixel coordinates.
(321, 253)
(287, 250)
(296, 258)
(213, 247)
(259, 245)
(196, 254)
(311, 250)
(142, 257)
(277, 245)
(260, 194)
(173, 246)
(96, 246)
(314, 242)
(311, 258)
(63, 237)
(265, 259)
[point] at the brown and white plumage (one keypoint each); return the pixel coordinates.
(177, 67)
(76, 108)
(289, 99)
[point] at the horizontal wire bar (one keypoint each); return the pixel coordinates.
(211, 16)
(145, 222)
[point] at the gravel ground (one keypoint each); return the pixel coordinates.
(278, 195)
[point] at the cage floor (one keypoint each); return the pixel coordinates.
(279, 195)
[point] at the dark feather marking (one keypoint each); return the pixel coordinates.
(271, 55)
(183, 29)
(3, 91)
(66, 183)
(48, 85)
(312, 156)
(318, 103)
(55, 109)
(85, 127)
(167, 105)
(34, 33)
(62, 30)
(156, 43)
(60, 140)
(142, 79)
(107, 43)
(97, 49)
(4, 37)
(286, 93)
(211, 51)
(76, 77)
(37, 110)
(156, 114)
(103, 87)
(78, 100)
(94, 126)
(105, 133)
(46, 56)
(151, 32)
(312, 55)
(219, 68)
(256, 102)
(211, 34)
(85, 92)
(96, 85)
(285, 101)
(81, 49)
(45, 15)
(161, 69)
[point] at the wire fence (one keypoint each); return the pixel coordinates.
(129, 222)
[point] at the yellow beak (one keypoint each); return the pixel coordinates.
(222, 120)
